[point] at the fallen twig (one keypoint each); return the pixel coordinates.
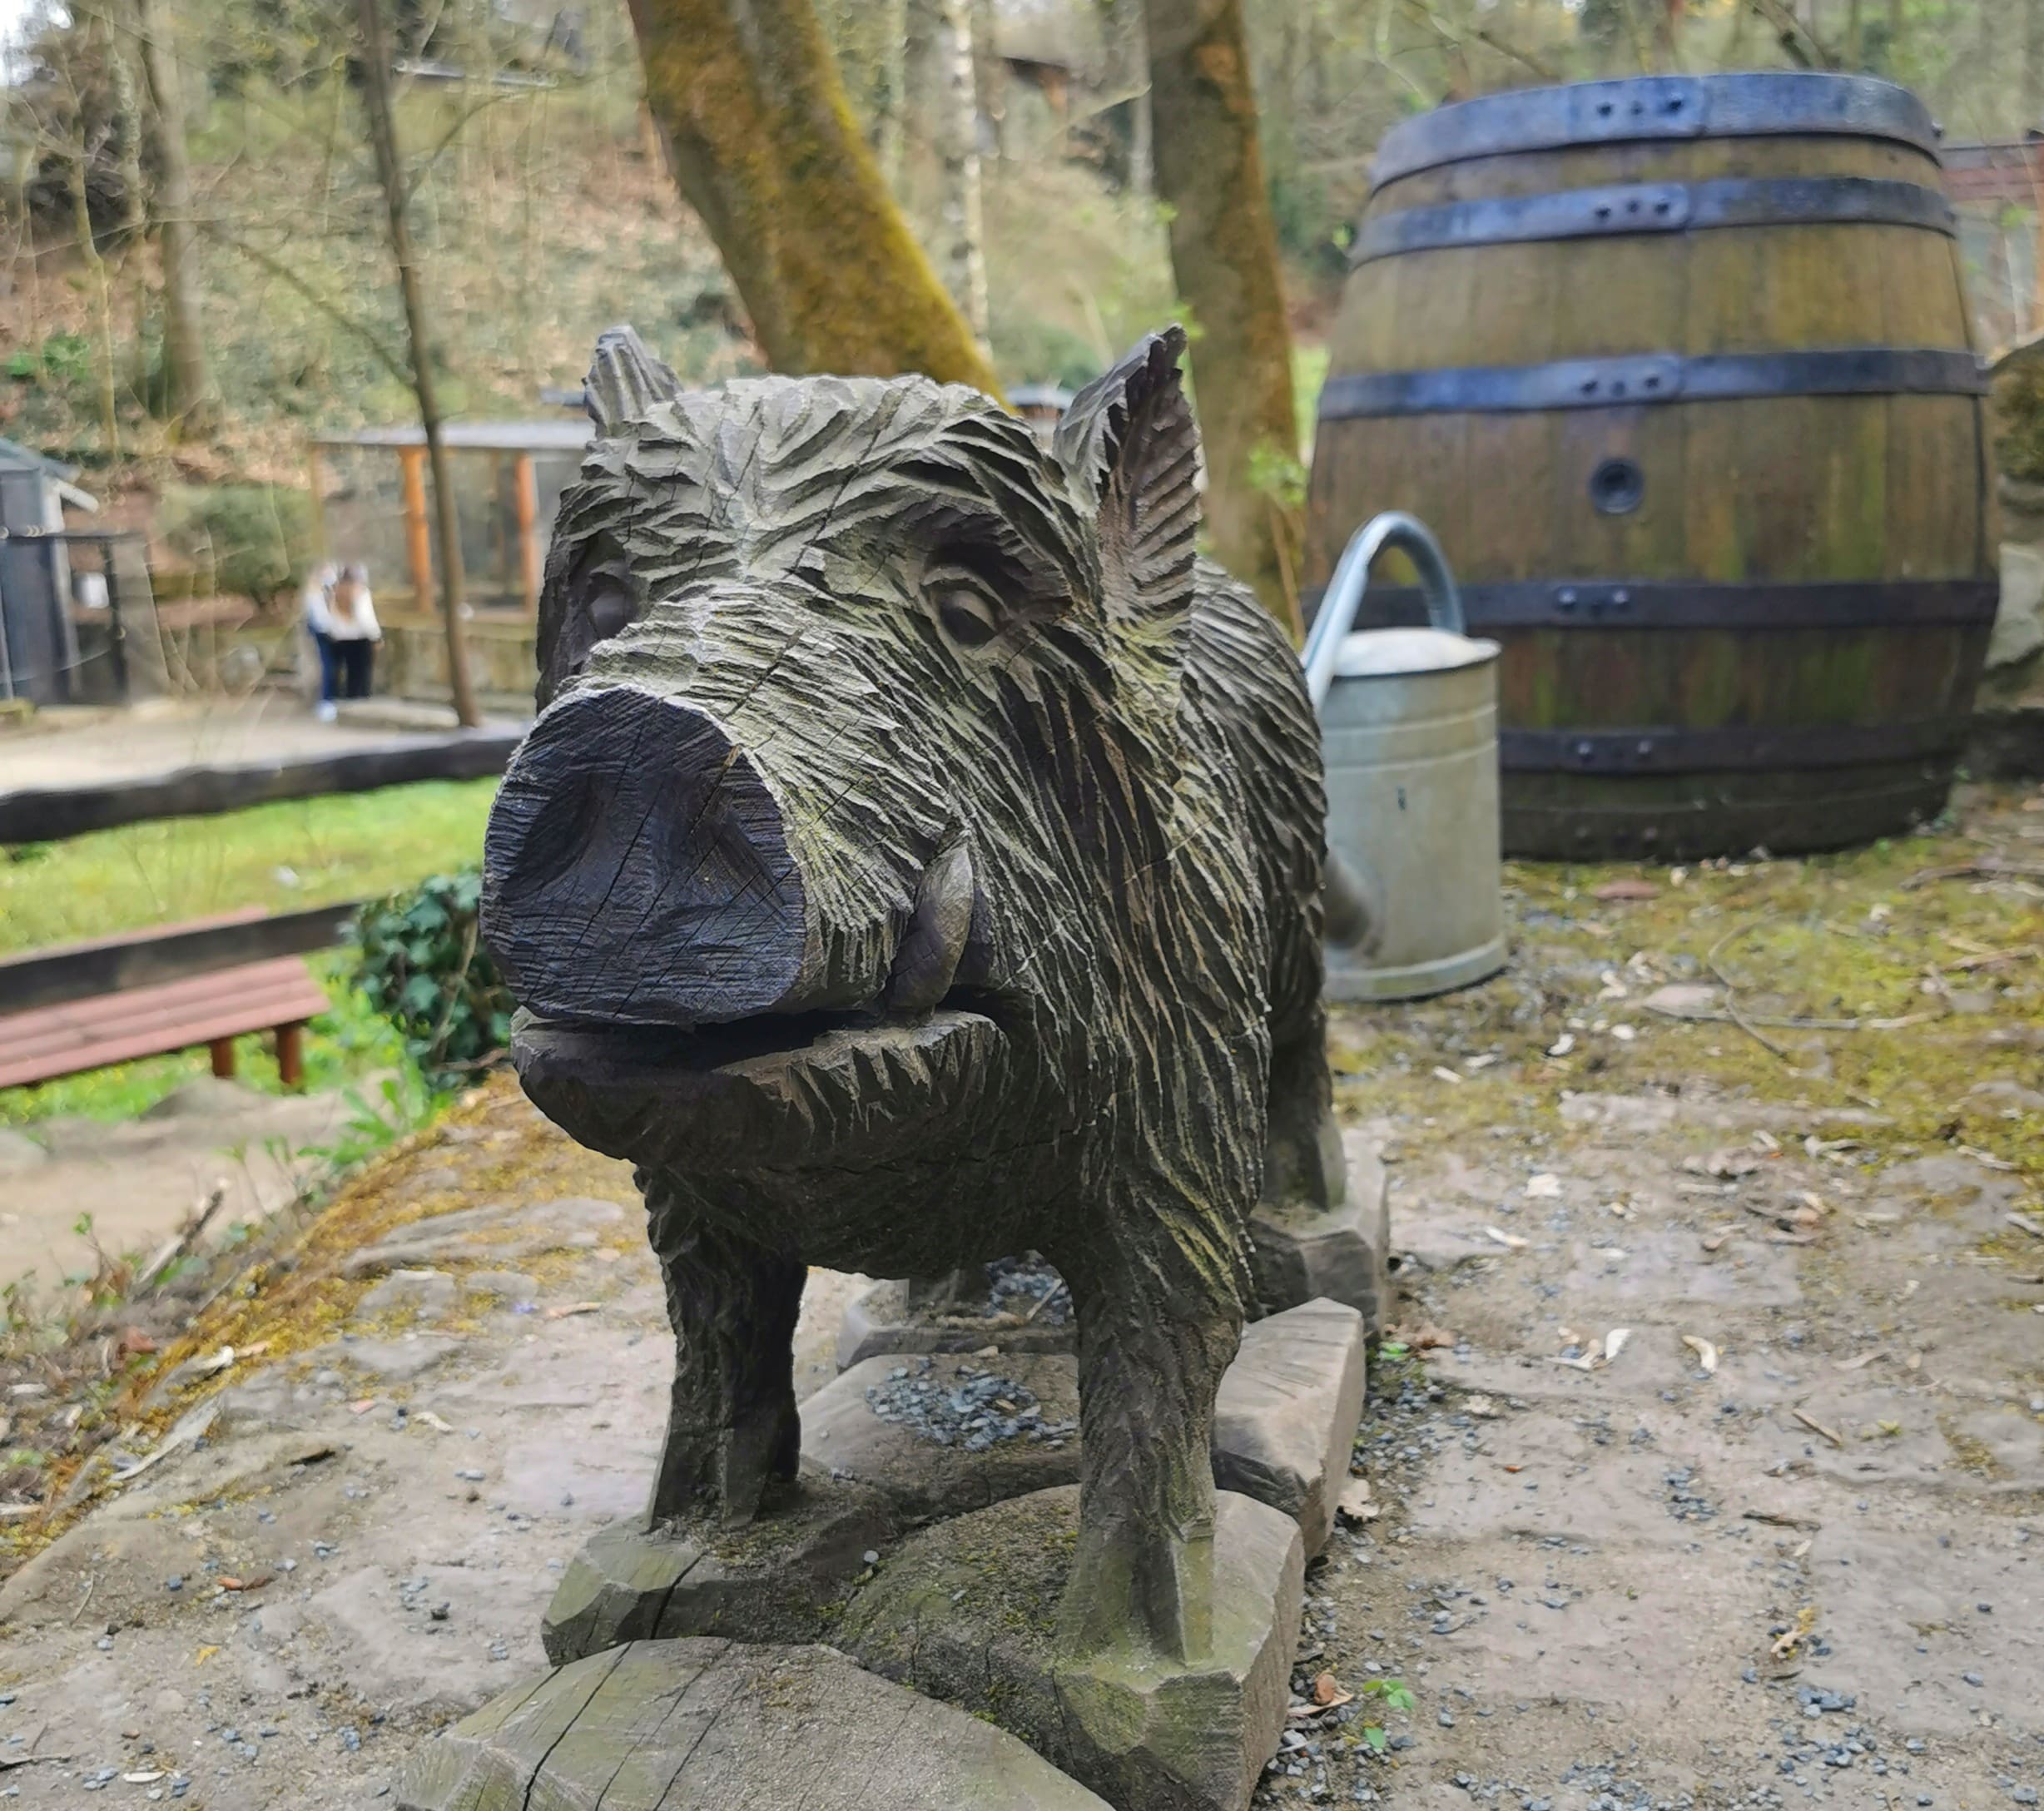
(1816, 1426)
(185, 1238)
(1988, 868)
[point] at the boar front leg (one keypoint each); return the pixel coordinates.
(1156, 1330)
(733, 1432)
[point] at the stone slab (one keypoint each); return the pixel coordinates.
(878, 1322)
(1343, 1254)
(965, 1611)
(777, 1580)
(1285, 1420)
(967, 1433)
(718, 1725)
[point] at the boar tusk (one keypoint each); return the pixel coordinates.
(930, 948)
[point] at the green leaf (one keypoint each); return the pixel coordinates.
(1374, 1738)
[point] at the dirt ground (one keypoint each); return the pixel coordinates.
(1709, 1447)
(132, 1184)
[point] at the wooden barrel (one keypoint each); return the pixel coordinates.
(1679, 369)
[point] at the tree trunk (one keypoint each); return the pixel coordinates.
(382, 132)
(193, 406)
(1224, 257)
(2033, 65)
(1128, 75)
(127, 113)
(962, 228)
(766, 152)
(80, 161)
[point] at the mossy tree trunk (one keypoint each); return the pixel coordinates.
(766, 151)
(1224, 256)
(193, 405)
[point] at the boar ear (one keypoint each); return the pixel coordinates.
(1129, 441)
(624, 381)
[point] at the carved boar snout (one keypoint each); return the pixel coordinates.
(640, 870)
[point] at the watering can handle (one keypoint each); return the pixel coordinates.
(1343, 596)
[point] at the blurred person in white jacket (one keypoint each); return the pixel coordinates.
(316, 604)
(351, 622)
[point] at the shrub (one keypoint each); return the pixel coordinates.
(257, 538)
(2019, 417)
(424, 969)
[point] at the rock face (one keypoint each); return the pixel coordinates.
(966, 1612)
(1286, 1418)
(1342, 1253)
(716, 1726)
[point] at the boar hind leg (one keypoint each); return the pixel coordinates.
(733, 1435)
(1303, 1163)
(1156, 1330)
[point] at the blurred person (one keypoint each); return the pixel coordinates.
(315, 603)
(351, 622)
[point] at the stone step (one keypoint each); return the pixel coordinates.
(710, 1725)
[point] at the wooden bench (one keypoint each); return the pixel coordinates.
(277, 996)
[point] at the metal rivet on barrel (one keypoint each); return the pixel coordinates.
(1585, 751)
(1622, 598)
(1632, 207)
(1566, 598)
(1646, 746)
(1662, 207)
(1604, 210)
(1604, 110)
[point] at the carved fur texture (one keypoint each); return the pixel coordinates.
(917, 860)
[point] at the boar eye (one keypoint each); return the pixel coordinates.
(967, 617)
(609, 604)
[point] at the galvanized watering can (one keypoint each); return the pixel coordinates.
(1408, 720)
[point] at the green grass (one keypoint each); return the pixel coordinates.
(280, 857)
(351, 847)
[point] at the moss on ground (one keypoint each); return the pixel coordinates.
(1877, 986)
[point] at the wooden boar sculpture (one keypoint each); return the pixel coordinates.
(917, 860)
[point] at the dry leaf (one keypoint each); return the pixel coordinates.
(1615, 1342)
(1445, 1074)
(1625, 890)
(1327, 1692)
(1706, 1354)
(1354, 1504)
(1563, 1044)
(254, 1583)
(2023, 1223)
(1511, 1240)
(1715, 1241)
(1428, 1337)
(204, 1655)
(432, 1420)
(1544, 1187)
(1481, 1406)
(567, 1308)
(134, 1340)
(1792, 1638)
(1861, 1362)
